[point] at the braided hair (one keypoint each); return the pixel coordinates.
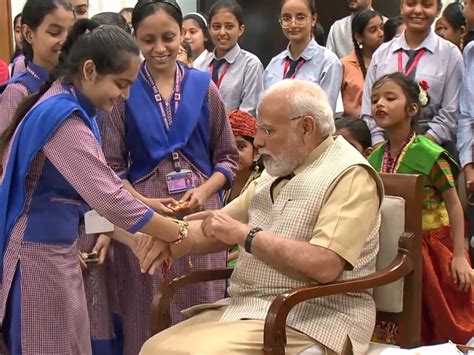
(359, 23)
(109, 47)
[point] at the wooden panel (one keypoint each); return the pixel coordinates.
(6, 32)
(389, 8)
(263, 35)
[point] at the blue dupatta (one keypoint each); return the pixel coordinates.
(31, 82)
(147, 137)
(38, 126)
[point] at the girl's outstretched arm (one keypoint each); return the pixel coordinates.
(463, 274)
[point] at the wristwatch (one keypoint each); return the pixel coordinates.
(248, 241)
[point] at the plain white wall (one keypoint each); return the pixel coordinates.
(109, 5)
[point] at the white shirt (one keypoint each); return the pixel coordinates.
(201, 62)
(321, 67)
(441, 66)
(242, 84)
(340, 37)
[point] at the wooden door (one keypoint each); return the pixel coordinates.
(6, 31)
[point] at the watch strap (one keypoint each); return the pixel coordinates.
(248, 241)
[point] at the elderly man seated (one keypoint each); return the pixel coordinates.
(312, 217)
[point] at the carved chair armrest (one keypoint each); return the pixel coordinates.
(275, 322)
(160, 308)
(406, 241)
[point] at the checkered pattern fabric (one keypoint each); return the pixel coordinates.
(294, 215)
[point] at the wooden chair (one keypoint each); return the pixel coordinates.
(406, 265)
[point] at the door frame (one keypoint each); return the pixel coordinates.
(6, 35)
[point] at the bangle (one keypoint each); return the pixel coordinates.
(248, 241)
(183, 230)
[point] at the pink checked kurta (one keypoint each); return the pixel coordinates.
(94, 279)
(53, 303)
(135, 290)
(9, 101)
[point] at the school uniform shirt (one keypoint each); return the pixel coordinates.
(468, 38)
(321, 66)
(9, 101)
(201, 62)
(18, 65)
(241, 81)
(465, 134)
(440, 66)
(16, 91)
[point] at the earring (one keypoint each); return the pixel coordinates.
(360, 45)
(255, 166)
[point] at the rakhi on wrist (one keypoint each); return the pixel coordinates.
(182, 235)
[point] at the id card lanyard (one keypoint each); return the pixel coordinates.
(165, 107)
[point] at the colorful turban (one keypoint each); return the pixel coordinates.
(243, 123)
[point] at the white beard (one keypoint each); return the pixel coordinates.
(292, 156)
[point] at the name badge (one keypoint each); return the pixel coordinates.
(180, 182)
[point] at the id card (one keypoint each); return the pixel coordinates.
(180, 182)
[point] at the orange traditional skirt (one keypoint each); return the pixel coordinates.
(447, 312)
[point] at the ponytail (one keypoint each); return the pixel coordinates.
(28, 102)
(360, 57)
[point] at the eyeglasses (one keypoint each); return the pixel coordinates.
(268, 131)
(286, 21)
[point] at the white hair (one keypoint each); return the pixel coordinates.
(306, 99)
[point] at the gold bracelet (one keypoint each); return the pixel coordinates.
(183, 230)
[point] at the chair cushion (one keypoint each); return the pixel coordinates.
(376, 348)
(389, 298)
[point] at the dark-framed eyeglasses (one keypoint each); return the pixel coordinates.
(299, 20)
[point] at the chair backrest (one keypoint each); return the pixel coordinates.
(399, 303)
(389, 298)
